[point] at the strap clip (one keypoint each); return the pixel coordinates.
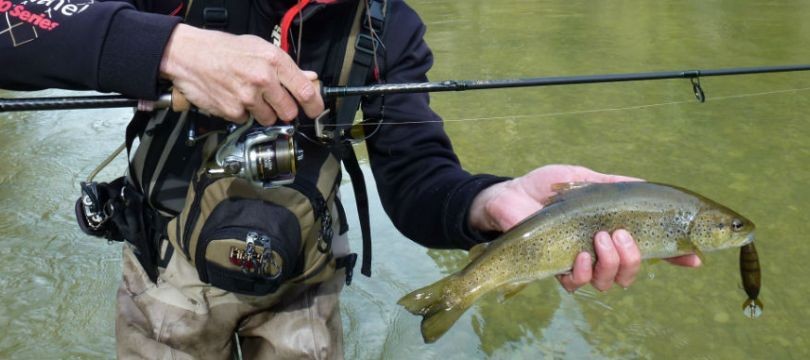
(215, 17)
(347, 262)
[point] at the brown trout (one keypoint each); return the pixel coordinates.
(664, 220)
(749, 271)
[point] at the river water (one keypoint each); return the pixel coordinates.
(746, 147)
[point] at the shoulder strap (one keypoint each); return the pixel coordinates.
(135, 129)
(366, 34)
(359, 62)
(361, 199)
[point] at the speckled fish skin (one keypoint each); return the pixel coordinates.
(664, 220)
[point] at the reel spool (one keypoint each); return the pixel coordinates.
(267, 157)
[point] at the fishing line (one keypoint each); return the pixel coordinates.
(584, 112)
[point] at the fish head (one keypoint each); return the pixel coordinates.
(717, 227)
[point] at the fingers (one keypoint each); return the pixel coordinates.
(618, 260)
(622, 178)
(600, 177)
(287, 87)
(629, 255)
(580, 275)
(300, 86)
(594, 176)
(280, 101)
(607, 264)
(310, 75)
(262, 111)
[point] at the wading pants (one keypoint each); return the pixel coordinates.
(180, 317)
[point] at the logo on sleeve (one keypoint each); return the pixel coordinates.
(23, 22)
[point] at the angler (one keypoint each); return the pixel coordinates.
(239, 228)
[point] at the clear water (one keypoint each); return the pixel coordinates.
(746, 147)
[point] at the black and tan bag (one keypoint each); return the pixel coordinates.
(250, 240)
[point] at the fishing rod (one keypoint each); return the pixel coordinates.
(177, 102)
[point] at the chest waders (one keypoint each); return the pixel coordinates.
(240, 237)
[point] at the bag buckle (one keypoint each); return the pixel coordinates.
(347, 262)
(366, 44)
(215, 17)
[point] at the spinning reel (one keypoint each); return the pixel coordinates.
(265, 156)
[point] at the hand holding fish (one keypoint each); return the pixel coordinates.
(504, 205)
(666, 221)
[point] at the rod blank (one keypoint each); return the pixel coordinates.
(166, 100)
(462, 85)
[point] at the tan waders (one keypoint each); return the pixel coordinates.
(183, 318)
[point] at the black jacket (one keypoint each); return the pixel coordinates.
(116, 46)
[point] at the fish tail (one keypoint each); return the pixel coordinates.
(752, 308)
(438, 310)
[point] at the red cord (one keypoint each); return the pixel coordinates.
(286, 21)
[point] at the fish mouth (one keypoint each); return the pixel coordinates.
(748, 239)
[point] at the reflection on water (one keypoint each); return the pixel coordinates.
(747, 147)
(58, 286)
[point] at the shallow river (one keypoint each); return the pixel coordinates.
(748, 147)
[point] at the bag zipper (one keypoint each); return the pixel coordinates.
(320, 212)
(194, 211)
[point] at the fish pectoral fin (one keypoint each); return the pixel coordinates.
(509, 290)
(476, 251)
(561, 189)
(687, 246)
(700, 255)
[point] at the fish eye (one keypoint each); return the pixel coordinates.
(737, 224)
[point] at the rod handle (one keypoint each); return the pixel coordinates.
(180, 103)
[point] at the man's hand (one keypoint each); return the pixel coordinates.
(236, 76)
(503, 205)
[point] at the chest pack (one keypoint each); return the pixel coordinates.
(242, 237)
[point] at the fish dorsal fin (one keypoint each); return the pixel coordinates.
(477, 250)
(563, 188)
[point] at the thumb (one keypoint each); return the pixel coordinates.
(310, 75)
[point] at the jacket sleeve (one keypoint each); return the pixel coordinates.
(107, 46)
(421, 184)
